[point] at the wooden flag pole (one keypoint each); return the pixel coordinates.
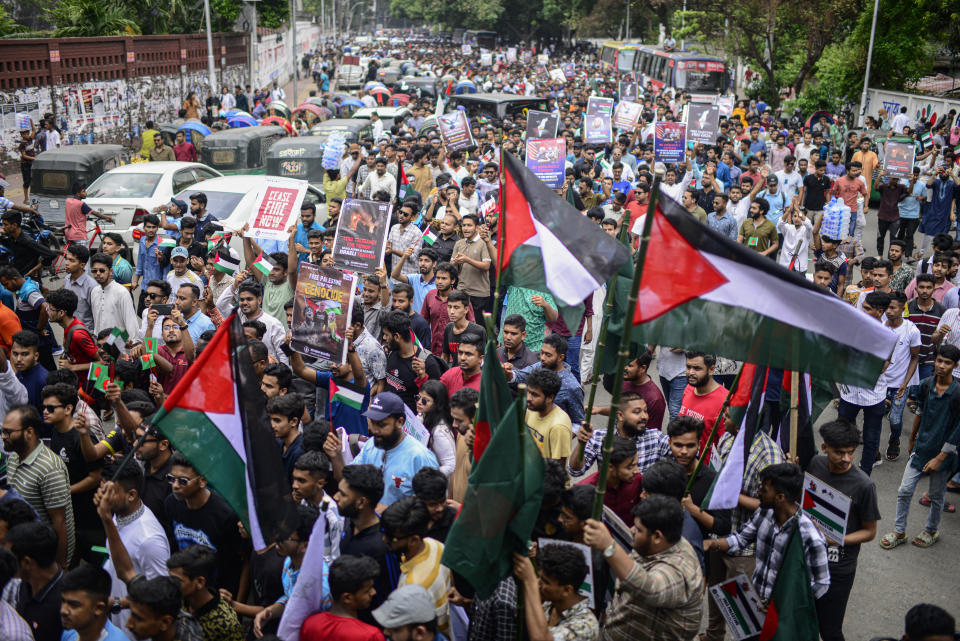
(794, 410)
(624, 351)
(601, 346)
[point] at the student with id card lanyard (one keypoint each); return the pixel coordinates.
(758, 233)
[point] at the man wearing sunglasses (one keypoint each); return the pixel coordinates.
(111, 302)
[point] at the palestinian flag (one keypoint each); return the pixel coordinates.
(226, 263)
(428, 236)
(166, 241)
(346, 393)
(404, 188)
(745, 407)
(118, 338)
(501, 503)
(216, 416)
(416, 342)
(264, 264)
(704, 292)
(819, 507)
(547, 245)
(792, 613)
(735, 600)
(100, 375)
(495, 399)
(926, 140)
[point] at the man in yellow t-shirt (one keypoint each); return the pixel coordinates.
(146, 140)
(549, 425)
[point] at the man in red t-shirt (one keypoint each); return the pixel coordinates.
(703, 396)
(467, 373)
(79, 348)
(175, 355)
(351, 586)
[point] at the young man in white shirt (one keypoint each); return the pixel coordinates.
(790, 180)
(110, 301)
(903, 369)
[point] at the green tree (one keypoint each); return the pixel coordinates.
(91, 18)
(8, 26)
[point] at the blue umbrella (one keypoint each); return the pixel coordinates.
(198, 127)
(352, 102)
(242, 120)
(372, 84)
(465, 86)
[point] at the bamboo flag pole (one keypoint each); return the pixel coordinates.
(601, 345)
(522, 424)
(624, 351)
(794, 410)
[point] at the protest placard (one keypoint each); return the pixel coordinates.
(276, 208)
(557, 75)
(703, 122)
(546, 157)
(455, 130)
(628, 91)
(541, 124)
(826, 506)
(322, 304)
(627, 115)
(740, 605)
(361, 238)
(669, 141)
(899, 158)
(597, 122)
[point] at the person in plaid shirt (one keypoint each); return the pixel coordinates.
(771, 527)
(763, 453)
(652, 444)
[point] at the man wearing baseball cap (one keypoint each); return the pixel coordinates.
(398, 454)
(407, 614)
(179, 274)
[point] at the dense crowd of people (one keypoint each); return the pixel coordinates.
(95, 550)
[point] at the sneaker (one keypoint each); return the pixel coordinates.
(878, 460)
(893, 450)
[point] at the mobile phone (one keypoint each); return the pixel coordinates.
(163, 310)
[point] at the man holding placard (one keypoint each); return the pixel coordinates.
(834, 472)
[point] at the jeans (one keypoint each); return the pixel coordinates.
(896, 412)
(905, 232)
(936, 491)
(673, 390)
(832, 606)
(573, 355)
(872, 426)
(883, 226)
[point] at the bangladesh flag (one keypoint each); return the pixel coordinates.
(500, 506)
(264, 264)
(151, 345)
(792, 614)
(118, 338)
(148, 361)
(495, 399)
(216, 416)
(702, 291)
(547, 245)
(100, 375)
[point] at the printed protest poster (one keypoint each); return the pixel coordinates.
(826, 506)
(627, 115)
(669, 141)
(703, 122)
(414, 427)
(361, 239)
(322, 305)
(541, 124)
(557, 75)
(486, 59)
(569, 70)
(455, 130)
(543, 59)
(466, 50)
(546, 158)
(899, 158)
(587, 588)
(276, 208)
(597, 124)
(726, 105)
(740, 605)
(628, 91)
(511, 54)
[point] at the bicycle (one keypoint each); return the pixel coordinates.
(59, 266)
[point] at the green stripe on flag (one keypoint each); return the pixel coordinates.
(734, 604)
(821, 516)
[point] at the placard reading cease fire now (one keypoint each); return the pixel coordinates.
(277, 208)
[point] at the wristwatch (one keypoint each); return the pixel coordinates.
(609, 551)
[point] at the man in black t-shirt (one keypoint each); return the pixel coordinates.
(430, 486)
(813, 192)
(199, 516)
(457, 304)
(836, 469)
(403, 302)
(407, 366)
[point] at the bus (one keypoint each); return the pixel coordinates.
(484, 39)
(618, 55)
(696, 73)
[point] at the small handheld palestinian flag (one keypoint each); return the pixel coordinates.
(118, 338)
(346, 393)
(226, 263)
(150, 345)
(416, 341)
(264, 264)
(926, 139)
(214, 241)
(166, 241)
(100, 375)
(404, 187)
(148, 361)
(429, 237)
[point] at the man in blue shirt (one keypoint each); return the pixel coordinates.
(24, 356)
(553, 354)
(391, 449)
(84, 595)
(308, 221)
(148, 258)
(756, 145)
(188, 302)
(422, 283)
(774, 195)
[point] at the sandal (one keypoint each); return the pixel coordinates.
(925, 539)
(948, 507)
(892, 540)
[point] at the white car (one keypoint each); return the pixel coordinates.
(130, 192)
(350, 76)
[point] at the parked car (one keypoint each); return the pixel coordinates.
(389, 115)
(350, 76)
(129, 193)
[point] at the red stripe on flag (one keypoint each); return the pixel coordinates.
(481, 439)
(741, 397)
(770, 623)
(515, 208)
(214, 391)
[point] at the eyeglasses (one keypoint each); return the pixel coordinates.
(7, 433)
(98, 271)
(152, 295)
(179, 480)
(51, 408)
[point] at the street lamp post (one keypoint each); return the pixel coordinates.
(293, 46)
(211, 68)
(866, 76)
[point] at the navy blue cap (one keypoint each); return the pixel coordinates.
(383, 405)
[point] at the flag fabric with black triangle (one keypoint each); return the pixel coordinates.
(745, 407)
(404, 188)
(547, 245)
(216, 416)
(226, 262)
(792, 612)
(167, 241)
(704, 292)
(264, 264)
(100, 375)
(429, 237)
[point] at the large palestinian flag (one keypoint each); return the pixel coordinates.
(547, 245)
(216, 416)
(702, 291)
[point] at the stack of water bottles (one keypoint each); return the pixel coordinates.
(836, 220)
(333, 151)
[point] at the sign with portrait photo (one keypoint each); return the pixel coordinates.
(541, 124)
(361, 239)
(547, 159)
(899, 158)
(669, 141)
(598, 128)
(627, 115)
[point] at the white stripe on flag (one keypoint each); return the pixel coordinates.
(798, 307)
(307, 596)
(567, 279)
(726, 489)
